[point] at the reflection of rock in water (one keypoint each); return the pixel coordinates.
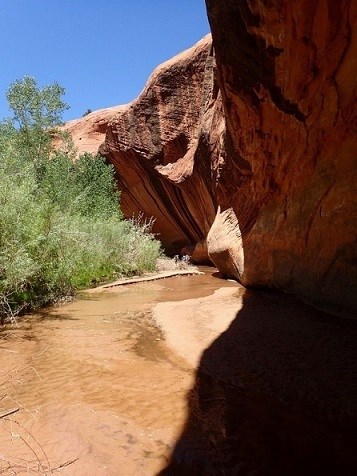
(274, 395)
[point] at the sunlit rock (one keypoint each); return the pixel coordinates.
(262, 123)
(224, 244)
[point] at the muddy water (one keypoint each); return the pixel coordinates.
(188, 375)
(99, 391)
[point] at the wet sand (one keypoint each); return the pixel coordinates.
(192, 325)
(96, 384)
(187, 375)
(147, 277)
(275, 389)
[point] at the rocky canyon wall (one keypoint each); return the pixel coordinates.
(160, 149)
(287, 75)
(244, 145)
(89, 131)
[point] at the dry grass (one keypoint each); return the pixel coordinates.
(168, 264)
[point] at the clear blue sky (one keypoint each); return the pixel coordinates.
(101, 51)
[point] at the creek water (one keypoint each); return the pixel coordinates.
(98, 390)
(185, 375)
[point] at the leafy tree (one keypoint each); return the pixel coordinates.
(85, 186)
(36, 113)
(60, 223)
(34, 107)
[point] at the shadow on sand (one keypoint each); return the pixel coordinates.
(275, 394)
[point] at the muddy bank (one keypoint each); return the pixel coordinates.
(192, 325)
(146, 278)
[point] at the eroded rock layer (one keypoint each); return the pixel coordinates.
(286, 72)
(160, 149)
(259, 128)
(89, 132)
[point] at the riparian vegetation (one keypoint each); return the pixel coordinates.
(60, 222)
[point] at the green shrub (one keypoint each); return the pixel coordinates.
(60, 223)
(85, 186)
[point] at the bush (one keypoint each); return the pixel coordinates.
(85, 186)
(60, 223)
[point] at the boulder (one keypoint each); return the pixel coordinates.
(224, 244)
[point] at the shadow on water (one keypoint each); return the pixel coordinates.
(275, 394)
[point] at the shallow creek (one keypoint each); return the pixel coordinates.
(185, 375)
(96, 383)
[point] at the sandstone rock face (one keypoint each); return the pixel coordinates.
(89, 132)
(286, 72)
(224, 244)
(159, 147)
(260, 126)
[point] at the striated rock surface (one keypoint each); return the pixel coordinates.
(267, 135)
(287, 75)
(159, 147)
(224, 244)
(89, 132)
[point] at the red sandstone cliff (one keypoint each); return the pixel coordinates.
(265, 138)
(158, 149)
(89, 131)
(287, 74)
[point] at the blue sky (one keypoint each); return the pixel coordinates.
(101, 51)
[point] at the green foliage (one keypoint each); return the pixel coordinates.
(85, 186)
(60, 223)
(35, 108)
(36, 113)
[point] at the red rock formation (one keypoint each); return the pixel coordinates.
(267, 136)
(224, 244)
(286, 71)
(157, 146)
(89, 132)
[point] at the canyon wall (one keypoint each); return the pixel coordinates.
(242, 148)
(160, 149)
(287, 75)
(89, 131)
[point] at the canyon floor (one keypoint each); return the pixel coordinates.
(186, 375)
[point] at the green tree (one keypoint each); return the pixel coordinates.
(36, 113)
(85, 186)
(60, 223)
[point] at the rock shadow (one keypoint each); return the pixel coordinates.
(275, 394)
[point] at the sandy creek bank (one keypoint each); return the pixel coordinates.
(187, 375)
